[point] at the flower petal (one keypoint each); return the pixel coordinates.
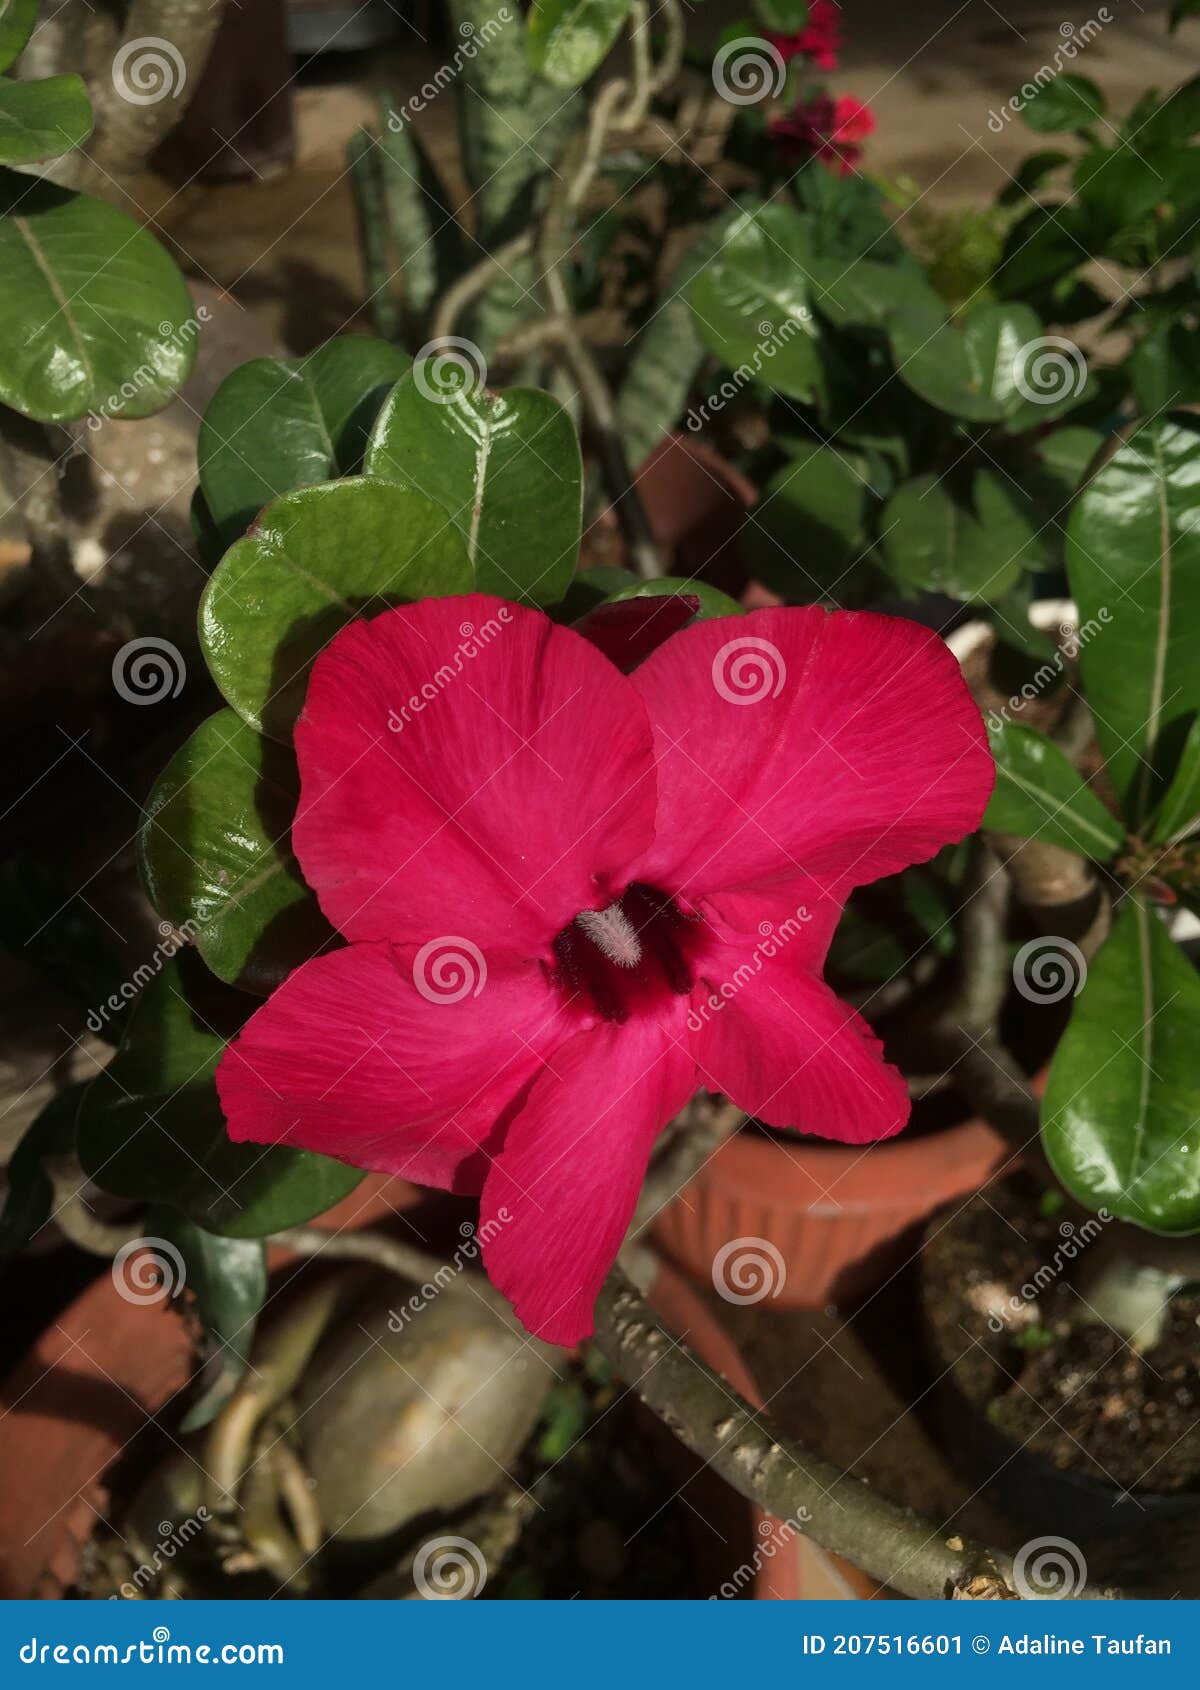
(467, 767)
(837, 745)
(559, 1196)
(785, 1049)
(350, 1058)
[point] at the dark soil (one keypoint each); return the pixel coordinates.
(1009, 1328)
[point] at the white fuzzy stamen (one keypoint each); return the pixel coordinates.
(612, 932)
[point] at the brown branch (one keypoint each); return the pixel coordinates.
(901, 1550)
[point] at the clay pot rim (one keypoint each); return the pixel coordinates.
(807, 1175)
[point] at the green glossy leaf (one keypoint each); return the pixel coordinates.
(29, 1201)
(505, 466)
(42, 119)
(567, 39)
(1178, 816)
(276, 424)
(1040, 795)
(314, 560)
(216, 857)
(1010, 521)
(976, 372)
(752, 301)
(931, 541)
(807, 531)
(1031, 174)
(227, 1280)
(867, 294)
(1173, 121)
(1120, 1112)
(95, 315)
(712, 601)
(151, 1128)
(1165, 368)
(1133, 557)
(17, 18)
(1069, 104)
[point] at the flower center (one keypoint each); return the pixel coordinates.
(634, 955)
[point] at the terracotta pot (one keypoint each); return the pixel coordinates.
(107, 1365)
(838, 1215)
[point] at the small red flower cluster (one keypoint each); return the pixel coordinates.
(825, 128)
(819, 40)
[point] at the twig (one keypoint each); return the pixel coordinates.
(73, 1217)
(901, 1550)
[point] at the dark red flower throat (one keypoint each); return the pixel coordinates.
(635, 955)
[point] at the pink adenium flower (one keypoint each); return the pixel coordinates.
(819, 41)
(572, 897)
(824, 128)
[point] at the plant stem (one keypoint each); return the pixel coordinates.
(901, 1550)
